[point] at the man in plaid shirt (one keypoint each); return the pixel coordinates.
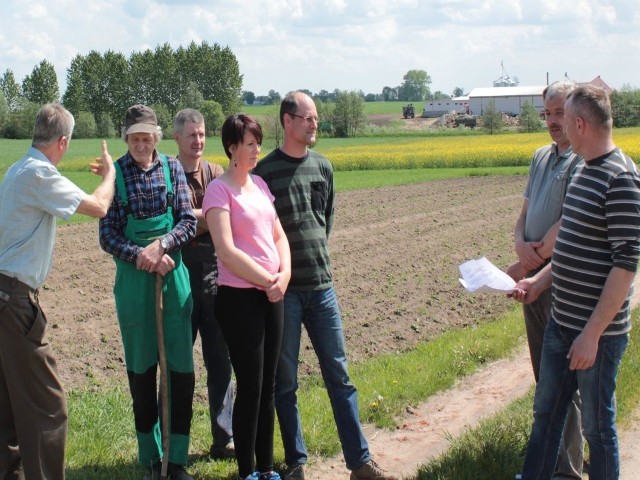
(149, 221)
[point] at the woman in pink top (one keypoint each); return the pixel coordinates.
(254, 267)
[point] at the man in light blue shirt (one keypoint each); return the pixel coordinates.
(33, 410)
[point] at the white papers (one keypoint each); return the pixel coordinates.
(483, 276)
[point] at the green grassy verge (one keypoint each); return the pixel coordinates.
(102, 444)
(495, 449)
(356, 180)
(102, 441)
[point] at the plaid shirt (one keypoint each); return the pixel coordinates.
(147, 195)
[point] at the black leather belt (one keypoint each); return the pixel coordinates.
(14, 285)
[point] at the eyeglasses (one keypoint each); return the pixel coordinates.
(308, 120)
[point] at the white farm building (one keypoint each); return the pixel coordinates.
(508, 99)
(442, 106)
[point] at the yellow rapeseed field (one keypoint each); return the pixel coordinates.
(375, 153)
(457, 151)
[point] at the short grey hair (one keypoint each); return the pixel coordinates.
(593, 104)
(562, 89)
(52, 122)
(187, 115)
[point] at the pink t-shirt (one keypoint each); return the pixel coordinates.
(253, 218)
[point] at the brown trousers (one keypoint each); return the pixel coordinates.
(33, 408)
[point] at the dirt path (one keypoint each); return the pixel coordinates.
(425, 431)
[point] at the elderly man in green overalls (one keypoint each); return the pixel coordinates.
(148, 222)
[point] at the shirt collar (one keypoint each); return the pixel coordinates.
(131, 162)
(566, 153)
(33, 152)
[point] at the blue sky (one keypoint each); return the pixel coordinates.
(351, 45)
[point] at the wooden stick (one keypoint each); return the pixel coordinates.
(164, 383)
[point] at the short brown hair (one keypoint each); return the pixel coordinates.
(288, 105)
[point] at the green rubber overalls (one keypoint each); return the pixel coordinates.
(134, 292)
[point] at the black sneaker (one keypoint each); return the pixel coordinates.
(223, 452)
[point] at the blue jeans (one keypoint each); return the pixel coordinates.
(571, 454)
(318, 311)
(554, 391)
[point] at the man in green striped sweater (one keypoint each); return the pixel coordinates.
(302, 182)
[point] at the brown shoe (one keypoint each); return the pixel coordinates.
(294, 472)
(371, 471)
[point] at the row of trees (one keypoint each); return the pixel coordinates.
(414, 88)
(100, 87)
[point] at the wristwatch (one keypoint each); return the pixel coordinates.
(164, 243)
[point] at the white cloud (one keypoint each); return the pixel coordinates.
(35, 11)
(355, 44)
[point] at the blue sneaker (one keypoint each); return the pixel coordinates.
(270, 476)
(253, 476)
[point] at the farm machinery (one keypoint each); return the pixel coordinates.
(408, 111)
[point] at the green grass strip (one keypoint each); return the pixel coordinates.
(102, 445)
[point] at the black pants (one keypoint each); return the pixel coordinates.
(199, 257)
(252, 328)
